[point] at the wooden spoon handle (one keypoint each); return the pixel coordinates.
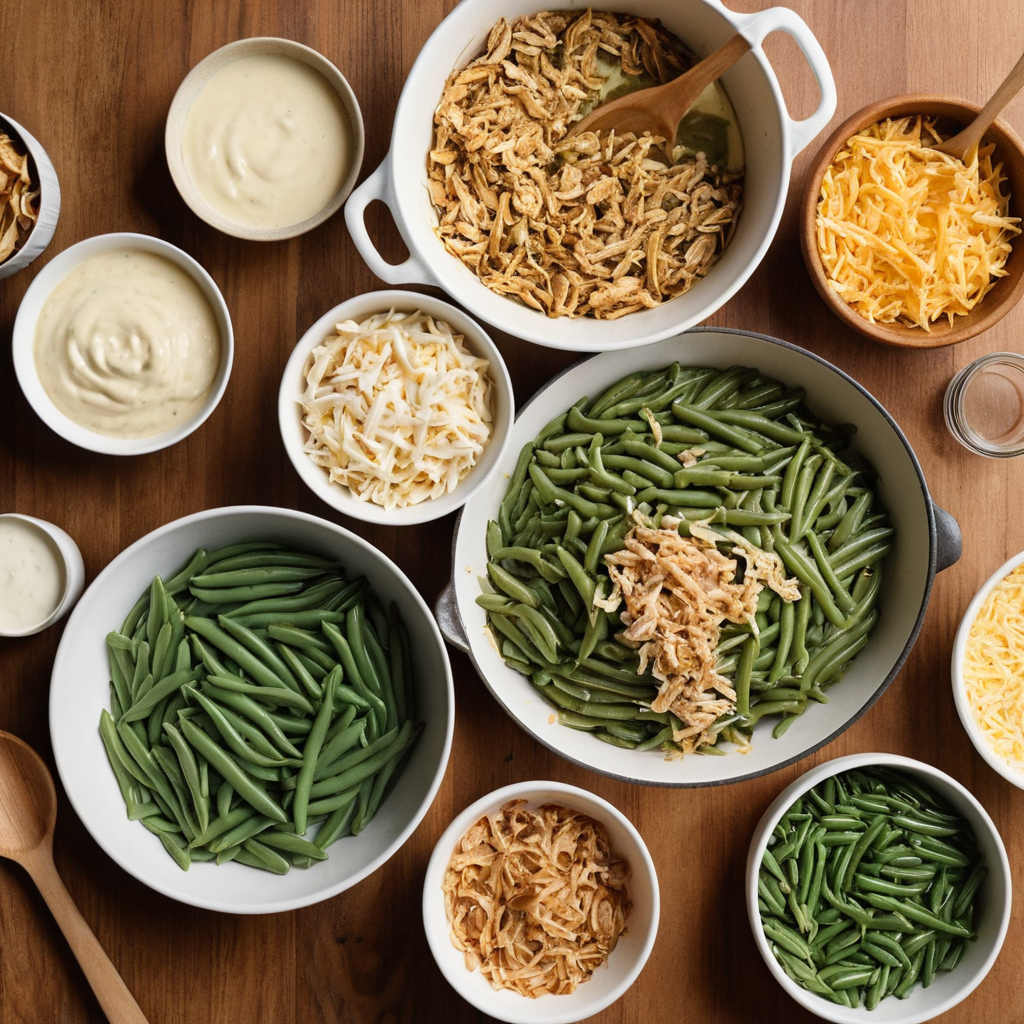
(962, 141)
(117, 1002)
(710, 69)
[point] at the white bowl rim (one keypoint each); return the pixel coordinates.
(23, 343)
(532, 1009)
(252, 46)
(759, 842)
(956, 674)
(271, 907)
(477, 338)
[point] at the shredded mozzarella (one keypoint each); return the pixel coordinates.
(397, 409)
(993, 669)
(907, 234)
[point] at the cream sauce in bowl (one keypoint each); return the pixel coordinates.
(33, 577)
(267, 142)
(127, 345)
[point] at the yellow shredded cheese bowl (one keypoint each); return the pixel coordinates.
(907, 235)
(991, 671)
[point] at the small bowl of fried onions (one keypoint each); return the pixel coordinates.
(541, 904)
(906, 245)
(395, 407)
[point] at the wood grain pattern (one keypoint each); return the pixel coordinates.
(93, 82)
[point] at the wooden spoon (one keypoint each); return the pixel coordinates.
(28, 813)
(960, 143)
(660, 108)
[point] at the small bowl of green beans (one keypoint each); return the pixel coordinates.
(878, 889)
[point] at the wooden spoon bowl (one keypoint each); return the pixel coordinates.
(953, 114)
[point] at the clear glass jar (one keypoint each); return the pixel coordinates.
(984, 405)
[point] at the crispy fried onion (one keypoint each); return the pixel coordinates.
(19, 200)
(536, 899)
(597, 225)
(676, 593)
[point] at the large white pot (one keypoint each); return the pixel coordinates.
(771, 140)
(927, 540)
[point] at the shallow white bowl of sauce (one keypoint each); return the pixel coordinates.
(264, 139)
(106, 347)
(41, 574)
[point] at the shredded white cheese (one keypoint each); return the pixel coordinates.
(993, 669)
(397, 409)
(907, 234)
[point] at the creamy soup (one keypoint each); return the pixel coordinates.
(127, 345)
(32, 578)
(267, 141)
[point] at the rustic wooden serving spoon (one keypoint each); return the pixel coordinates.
(28, 813)
(960, 143)
(660, 108)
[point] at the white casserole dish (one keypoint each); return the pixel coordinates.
(927, 539)
(771, 140)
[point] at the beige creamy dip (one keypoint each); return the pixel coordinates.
(267, 142)
(32, 578)
(127, 345)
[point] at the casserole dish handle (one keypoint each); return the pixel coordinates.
(448, 620)
(755, 27)
(377, 186)
(948, 542)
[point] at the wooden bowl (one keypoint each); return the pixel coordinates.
(953, 115)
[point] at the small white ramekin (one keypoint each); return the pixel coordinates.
(294, 434)
(72, 566)
(25, 331)
(49, 200)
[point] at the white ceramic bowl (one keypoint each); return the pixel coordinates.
(294, 435)
(49, 199)
(992, 915)
(771, 140)
(610, 981)
(956, 671)
(72, 569)
(25, 331)
(189, 89)
(80, 689)
(927, 539)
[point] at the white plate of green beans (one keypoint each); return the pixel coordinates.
(225, 691)
(760, 396)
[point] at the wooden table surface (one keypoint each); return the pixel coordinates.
(93, 81)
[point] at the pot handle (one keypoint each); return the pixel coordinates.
(377, 186)
(948, 542)
(447, 615)
(755, 27)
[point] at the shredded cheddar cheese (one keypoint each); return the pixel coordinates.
(907, 234)
(396, 408)
(993, 669)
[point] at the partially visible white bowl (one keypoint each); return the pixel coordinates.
(963, 705)
(25, 331)
(993, 902)
(294, 434)
(79, 689)
(49, 200)
(624, 964)
(69, 559)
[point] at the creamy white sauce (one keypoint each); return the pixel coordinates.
(127, 345)
(32, 578)
(267, 142)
